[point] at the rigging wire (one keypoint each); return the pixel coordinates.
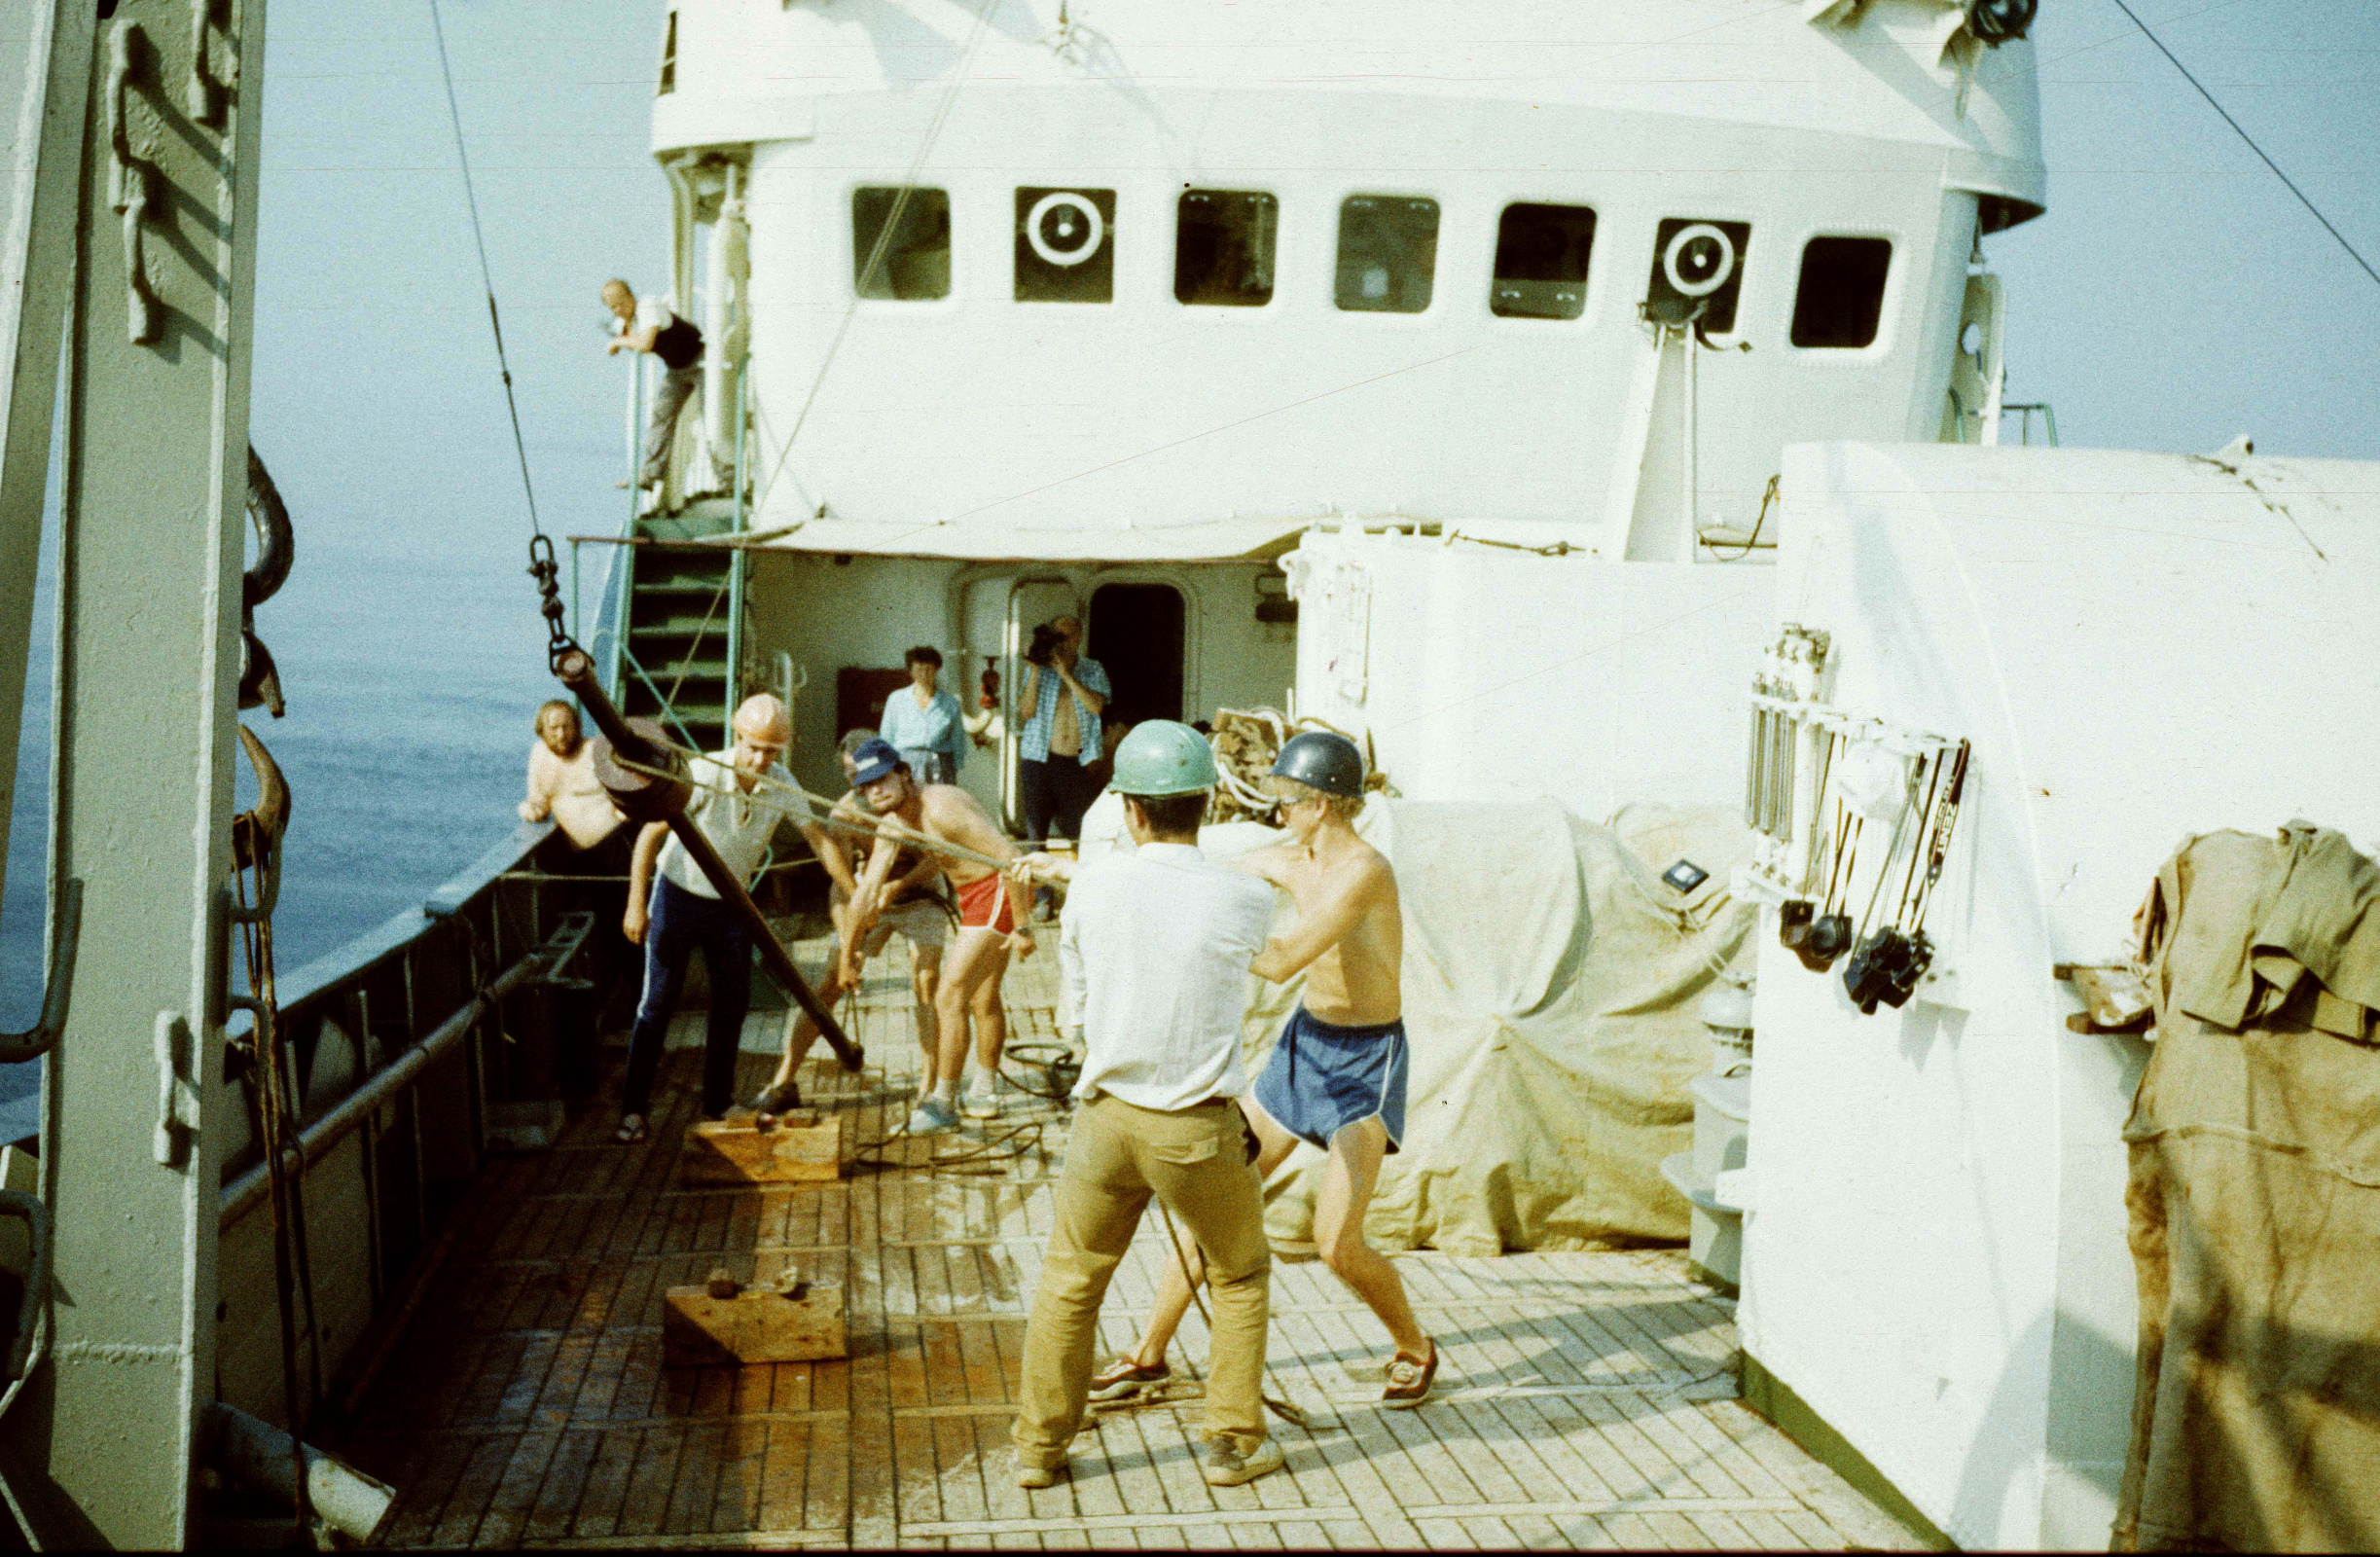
(2284, 178)
(486, 280)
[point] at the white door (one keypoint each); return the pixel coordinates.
(1032, 600)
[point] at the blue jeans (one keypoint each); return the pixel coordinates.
(680, 921)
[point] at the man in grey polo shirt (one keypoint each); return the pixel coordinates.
(684, 911)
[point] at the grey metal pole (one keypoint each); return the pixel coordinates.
(106, 1433)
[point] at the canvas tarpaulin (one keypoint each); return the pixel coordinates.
(1550, 987)
(2255, 1203)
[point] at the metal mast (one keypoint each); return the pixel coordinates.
(100, 1449)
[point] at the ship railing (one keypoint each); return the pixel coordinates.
(2025, 415)
(420, 1051)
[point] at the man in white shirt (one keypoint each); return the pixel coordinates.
(684, 911)
(1157, 945)
(651, 325)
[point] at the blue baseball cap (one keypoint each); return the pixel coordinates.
(873, 760)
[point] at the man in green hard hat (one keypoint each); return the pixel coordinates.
(1157, 945)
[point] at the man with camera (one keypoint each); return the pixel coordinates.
(1062, 698)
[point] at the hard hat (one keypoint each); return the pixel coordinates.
(1164, 757)
(1324, 760)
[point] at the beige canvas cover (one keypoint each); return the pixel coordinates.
(1550, 988)
(2255, 1203)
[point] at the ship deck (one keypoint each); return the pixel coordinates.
(1585, 1399)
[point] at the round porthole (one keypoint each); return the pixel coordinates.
(1064, 228)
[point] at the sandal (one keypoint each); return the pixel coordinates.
(1409, 1379)
(780, 1097)
(631, 1129)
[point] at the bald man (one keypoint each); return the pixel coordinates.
(684, 910)
(650, 325)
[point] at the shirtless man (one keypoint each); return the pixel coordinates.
(1337, 1074)
(992, 912)
(912, 908)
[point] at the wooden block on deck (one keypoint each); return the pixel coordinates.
(797, 1147)
(757, 1324)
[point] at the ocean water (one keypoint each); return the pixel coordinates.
(407, 638)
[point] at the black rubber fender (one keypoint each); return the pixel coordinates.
(279, 547)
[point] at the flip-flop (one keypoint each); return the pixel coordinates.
(778, 1098)
(629, 1135)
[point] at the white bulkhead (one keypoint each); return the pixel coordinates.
(1027, 282)
(2136, 644)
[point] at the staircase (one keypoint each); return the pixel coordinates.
(669, 595)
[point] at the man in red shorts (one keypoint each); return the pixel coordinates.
(992, 914)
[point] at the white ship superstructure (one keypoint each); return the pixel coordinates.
(1029, 300)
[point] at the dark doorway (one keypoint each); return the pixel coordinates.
(1136, 635)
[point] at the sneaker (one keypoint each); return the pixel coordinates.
(1227, 1467)
(1125, 1378)
(983, 1099)
(931, 1117)
(1035, 1477)
(1408, 1380)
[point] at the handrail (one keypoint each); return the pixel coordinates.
(243, 1194)
(621, 648)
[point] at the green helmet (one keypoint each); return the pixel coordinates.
(1164, 757)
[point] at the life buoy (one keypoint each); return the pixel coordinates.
(1722, 264)
(1095, 227)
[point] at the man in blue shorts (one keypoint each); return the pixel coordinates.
(1337, 1074)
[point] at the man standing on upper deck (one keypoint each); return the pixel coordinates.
(1155, 947)
(990, 915)
(651, 325)
(685, 911)
(1061, 737)
(1336, 1077)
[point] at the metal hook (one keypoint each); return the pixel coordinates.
(37, 1039)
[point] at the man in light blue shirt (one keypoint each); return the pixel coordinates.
(1062, 698)
(924, 724)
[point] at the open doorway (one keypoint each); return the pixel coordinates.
(1137, 634)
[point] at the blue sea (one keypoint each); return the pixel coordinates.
(408, 637)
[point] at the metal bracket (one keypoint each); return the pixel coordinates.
(127, 186)
(36, 1300)
(177, 1091)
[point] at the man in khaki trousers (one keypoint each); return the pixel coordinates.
(1155, 946)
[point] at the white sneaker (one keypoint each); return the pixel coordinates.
(983, 1099)
(932, 1117)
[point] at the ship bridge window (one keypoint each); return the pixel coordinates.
(1066, 245)
(1698, 273)
(668, 58)
(912, 226)
(1541, 262)
(1388, 253)
(1841, 296)
(1223, 241)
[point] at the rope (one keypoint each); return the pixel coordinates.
(2302, 199)
(1282, 1409)
(292, 1264)
(884, 242)
(486, 280)
(685, 667)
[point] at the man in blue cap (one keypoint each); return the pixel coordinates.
(1336, 1077)
(991, 910)
(1158, 943)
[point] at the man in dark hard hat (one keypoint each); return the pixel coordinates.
(1337, 1074)
(1158, 943)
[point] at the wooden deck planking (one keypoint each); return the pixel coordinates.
(1584, 1399)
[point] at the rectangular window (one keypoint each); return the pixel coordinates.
(1698, 273)
(1388, 253)
(1223, 242)
(1066, 245)
(1841, 297)
(1541, 262)
(912, 226)
(668, 58)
